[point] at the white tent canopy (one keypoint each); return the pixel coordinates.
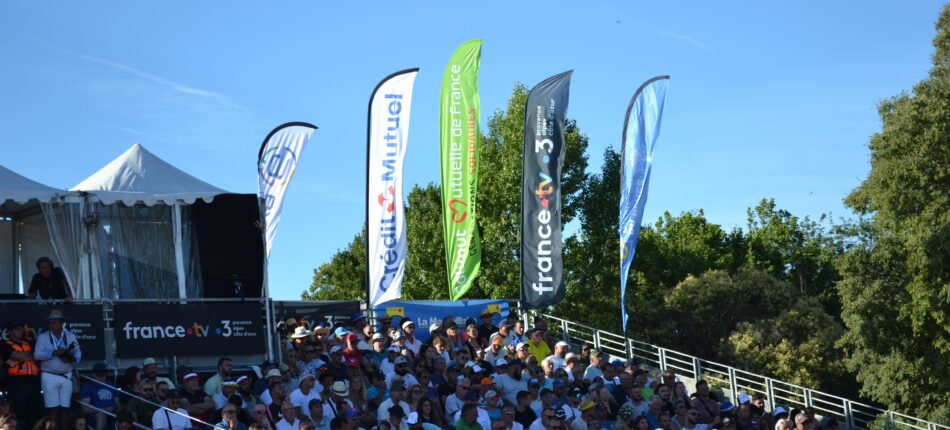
(15, 188)
(138, 235)
(23, 233)
(138, 176)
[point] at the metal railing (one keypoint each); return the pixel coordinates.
(134, 424)
(143, 399)
(854, 415)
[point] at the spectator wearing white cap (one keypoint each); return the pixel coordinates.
(560, 353)
(377, 349)
(301, 397)
(150, 372)
(409, 329)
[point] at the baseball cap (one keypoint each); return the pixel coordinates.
(340, 332)
(801, 418)
(533, 382)
(398, 382)
(394, 348)
(433, 327)
(491, 394)
(477, 369)
(558, 383)
(377, 336)
(744, 398)
(352, 413)
(357, 316)
(336, 348)
(521, 345)
(399, 360)
(726, 406)
(273, 373)
(230, 383)
(587, 404)
(779, 410)
(148, 362)
(487, 380)
(501, 362)
(406, 322)
(561, 343)
(189, 377)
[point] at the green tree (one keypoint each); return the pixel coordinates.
(797, 346)
(798, 250)
(499, 209)
(895, 287)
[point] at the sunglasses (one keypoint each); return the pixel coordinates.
(229, 411)
(549, 416)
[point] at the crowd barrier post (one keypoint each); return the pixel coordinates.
(268, 312)
(733, 386)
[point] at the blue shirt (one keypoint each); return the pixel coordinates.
(101, 394)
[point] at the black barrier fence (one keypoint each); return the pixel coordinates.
(190, 330)
(193, 332)
(83, 320)
(202, 329)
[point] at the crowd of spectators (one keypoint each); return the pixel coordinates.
(364, 376)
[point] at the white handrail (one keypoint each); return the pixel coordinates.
(856, 415)
(131, 394)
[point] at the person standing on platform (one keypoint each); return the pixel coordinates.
(57, 351)
(49, 283)
(23, 375)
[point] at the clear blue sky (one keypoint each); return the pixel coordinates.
(767, 99)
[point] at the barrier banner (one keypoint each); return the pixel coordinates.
(542, 281)
(84, 321)
(641, 127)
(312, 313)
(387, 135)
(193, 329)
(459, 137)
(425, 313)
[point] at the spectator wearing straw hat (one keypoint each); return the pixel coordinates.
(337, 404)
(57, 351)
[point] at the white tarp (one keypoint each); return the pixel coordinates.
(138, 176)
(22, 227)
(19, 189)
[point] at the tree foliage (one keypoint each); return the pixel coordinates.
(895, 286)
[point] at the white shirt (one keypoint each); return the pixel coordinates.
(483, 418)
(387, 367)
(407, 378)
(266, 397)
(492, 357)
(579, 424)
(593, 372)
(557, 360)
(515, 426)
(284, 425)
(453, 404)
(161, 418)
(330, 408)
(383, 413)
(511, 386)
(302, 401)
(536, 425)
(414, 346)
(642, 409)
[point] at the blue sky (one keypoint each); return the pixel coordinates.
(766, 100)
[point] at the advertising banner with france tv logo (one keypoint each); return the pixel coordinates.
(193, 329)
(83, 320)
